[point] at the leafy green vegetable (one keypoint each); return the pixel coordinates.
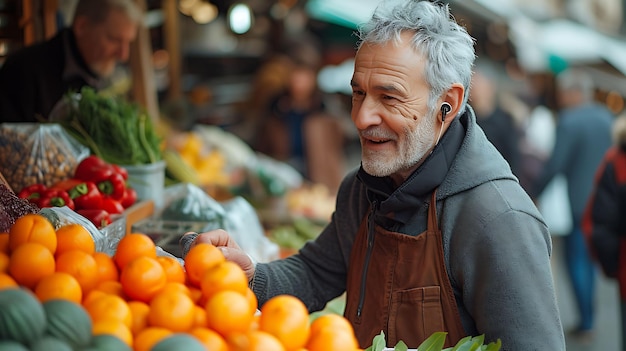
(436, 341)
(114, 129)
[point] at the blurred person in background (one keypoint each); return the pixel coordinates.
(604, 222)
(583, 134)
(433, 232)
(497, 123)
(299, 128)
(35, 78)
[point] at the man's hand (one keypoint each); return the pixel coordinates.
(232, 252)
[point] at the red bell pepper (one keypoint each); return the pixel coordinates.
(113, 186)
(66, 184)
(121, 170)
(86, 195)
(56, 198)
(100, 218)
(33, 193)
(112, 206)
(93, 169)
(130, 197)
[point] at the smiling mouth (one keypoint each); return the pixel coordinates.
(378, 141)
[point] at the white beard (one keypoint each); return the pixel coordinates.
(415, 146)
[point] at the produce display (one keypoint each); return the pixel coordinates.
(12, 208)
(191, 160)
(115, 130)
(58, 293)
(97, 190)
(37, 153)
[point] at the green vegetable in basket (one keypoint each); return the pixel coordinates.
(436, 341)
(114, 129)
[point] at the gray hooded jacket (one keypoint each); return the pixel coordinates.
(496, 244)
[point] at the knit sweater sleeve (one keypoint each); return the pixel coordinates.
(317, 273)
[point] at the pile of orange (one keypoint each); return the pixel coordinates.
(143, 298)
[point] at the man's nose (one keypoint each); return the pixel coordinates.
(123, 52)
(365, 114)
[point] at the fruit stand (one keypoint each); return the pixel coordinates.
(88, 262)
(91, 264)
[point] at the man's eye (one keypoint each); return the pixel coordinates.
(387, 97)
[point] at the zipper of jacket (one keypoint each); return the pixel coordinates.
(368, 255)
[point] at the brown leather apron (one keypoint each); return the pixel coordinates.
(402, 288)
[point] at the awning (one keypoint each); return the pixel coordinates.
(348, 13)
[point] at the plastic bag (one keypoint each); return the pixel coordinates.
(32, 153)
(188, 204)
(60, 216)
(553, 203)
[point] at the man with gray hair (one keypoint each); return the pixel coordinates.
(583, 135)
(34, 79)
(433, 233)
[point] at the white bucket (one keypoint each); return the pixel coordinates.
(148, 180)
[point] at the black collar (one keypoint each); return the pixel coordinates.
(401, 202)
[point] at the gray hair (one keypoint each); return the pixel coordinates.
(578, 80)
(98, 10)
(446, 45)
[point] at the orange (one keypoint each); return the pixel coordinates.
(139, 313)
(142, 278)
(111, 287)
(33, 228)
(226, 275)
(229, 311)
(6, 281)
(147, 338)
(131, 246)
(199, 316)
(173, 269)
(195, 294)
(59, 285)
(210, 339)
(31, 262)
(107, 270)
(332, 339)
(287, 318)
(92, 295)
(178, 287)
(331, 332)
(173, 310)
(81, 266)
(109, 308)
(252, 299)
(4, 242)
(4, 262)
(332, 320)
(74, 237)
(200, 258)
(255, 340)
(115, 328)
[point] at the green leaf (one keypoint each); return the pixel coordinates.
(434, 342)
(460, 343)
(494, 346)
(379, 343)
(400, 346)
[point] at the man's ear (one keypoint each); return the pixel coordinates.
(454, 97)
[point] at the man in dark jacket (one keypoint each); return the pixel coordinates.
(34, 79)
(583, 134)
(433, 233)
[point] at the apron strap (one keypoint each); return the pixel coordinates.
(432, 212)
